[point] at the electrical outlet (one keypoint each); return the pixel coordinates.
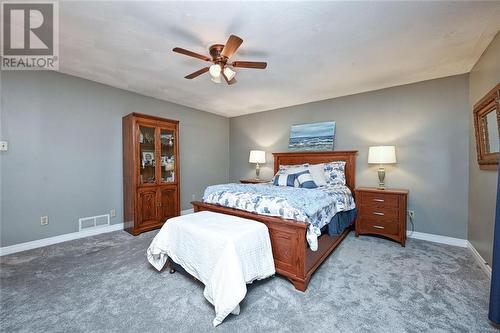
(112, 212)
(4, 146)
(44, 220)
(193, 197)
(411, 214)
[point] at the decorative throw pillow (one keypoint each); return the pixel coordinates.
(290, 169)
(335, 172)
(284, 179)
(305, 180)
(318, 174)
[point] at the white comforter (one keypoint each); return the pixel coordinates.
(222, 251)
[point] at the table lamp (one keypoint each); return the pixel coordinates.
(257, 156)
(382, 155)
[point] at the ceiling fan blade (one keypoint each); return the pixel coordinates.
(231, 46)
(191, 54)
(250, 64)
(197, 73)
(233, 80)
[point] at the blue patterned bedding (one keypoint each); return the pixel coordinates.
(316, 207)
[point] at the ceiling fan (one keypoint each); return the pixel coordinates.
(220, 55)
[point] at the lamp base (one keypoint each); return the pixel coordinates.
(257, 171)
(381, 178)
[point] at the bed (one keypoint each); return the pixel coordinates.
(293, 257)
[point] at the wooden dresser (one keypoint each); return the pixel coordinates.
(151, 180)
(382, 212)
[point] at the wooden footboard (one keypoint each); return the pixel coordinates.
(292, 257)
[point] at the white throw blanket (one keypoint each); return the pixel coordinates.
(224, 252)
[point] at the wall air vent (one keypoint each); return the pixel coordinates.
(92, 222)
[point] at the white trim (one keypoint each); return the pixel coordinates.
(456, 242)
(481, 262)
(187, 211)
(119, 226)
(58, 239)
(437, 238)
(66, 237)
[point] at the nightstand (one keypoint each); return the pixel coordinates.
(382, 212)
(254, 181)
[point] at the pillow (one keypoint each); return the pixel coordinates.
(334, 172)
(293, 168)
(305, 180)
(318, 174)
(290, 169)
(284, 179)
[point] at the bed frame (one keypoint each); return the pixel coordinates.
(292, 256)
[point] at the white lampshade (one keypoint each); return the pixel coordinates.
(382, 155)
(215, 70)
(257, 156)
(216, 79)
(229, 73)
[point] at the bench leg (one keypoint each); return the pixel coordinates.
(171, 264)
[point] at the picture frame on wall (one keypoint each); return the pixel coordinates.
(312, 137)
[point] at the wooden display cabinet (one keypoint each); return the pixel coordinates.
(151, 179)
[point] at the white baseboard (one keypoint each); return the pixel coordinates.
(58, 239)
(187, 211)
(456, 242)
(437, 238)
(66, 237)
(481, 262)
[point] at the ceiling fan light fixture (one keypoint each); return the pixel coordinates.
(229, 73)
(215, 70)
(216, 79)
(220, 68)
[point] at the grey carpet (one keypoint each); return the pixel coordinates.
(105, 284)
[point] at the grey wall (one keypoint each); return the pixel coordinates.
(482, 184)
(65, 148)
(65, 156)
(427, 121)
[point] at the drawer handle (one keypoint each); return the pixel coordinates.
(378, 227)
(377, 213)
(379, 200)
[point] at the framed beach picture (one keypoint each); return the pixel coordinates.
(312, 137)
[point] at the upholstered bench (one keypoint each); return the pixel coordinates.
(224, 252)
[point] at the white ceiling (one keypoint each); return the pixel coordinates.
(314, 50)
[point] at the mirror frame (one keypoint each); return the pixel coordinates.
(486, 160)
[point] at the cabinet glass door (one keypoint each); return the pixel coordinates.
(146, 159)
(168, 162)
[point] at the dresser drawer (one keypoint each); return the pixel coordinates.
(385, 213)
(379, 200)
(377, 225)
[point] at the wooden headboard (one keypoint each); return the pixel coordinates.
(349, 157)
